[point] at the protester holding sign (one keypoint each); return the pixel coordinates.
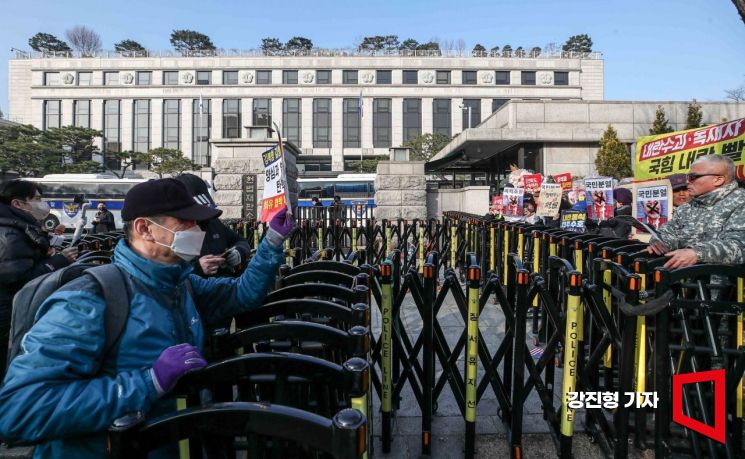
(548, 205)
(616, 227)
(711, 227)
(512, 201)
(599, 198)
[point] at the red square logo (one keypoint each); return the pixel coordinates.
(717, 432)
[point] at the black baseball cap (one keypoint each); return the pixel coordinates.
(164, 197)
(678, 181)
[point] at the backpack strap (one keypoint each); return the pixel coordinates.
(117, 294)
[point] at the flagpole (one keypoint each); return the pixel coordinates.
(199, 132)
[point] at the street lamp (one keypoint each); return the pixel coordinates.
(464, 108)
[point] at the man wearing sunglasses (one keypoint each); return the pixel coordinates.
(710, 228)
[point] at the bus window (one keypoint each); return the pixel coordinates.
(113, 190)
(52, 190)
(351, 189)
(371, 187)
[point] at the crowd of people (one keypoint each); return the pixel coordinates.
(178, 260)
(707, 222)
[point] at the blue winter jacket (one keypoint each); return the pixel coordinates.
(53, 391)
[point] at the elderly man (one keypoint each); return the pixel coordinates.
(711, 227)
(64, 390)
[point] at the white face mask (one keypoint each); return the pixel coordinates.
(186, 244)
(39, 209)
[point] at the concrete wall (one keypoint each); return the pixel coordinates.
(577, 158)
(400, 190)
(471, 199)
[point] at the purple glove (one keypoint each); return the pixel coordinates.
(173, 363)
(280, 227)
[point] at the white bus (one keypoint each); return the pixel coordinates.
(357, 193)
(60, 190)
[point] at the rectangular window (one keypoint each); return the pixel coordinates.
(443, 77)
(410, 77)
(289, 76)
(82, 113)
(201, 129)
(323, 76)
(469, 77)
(52, 114)
(383, 77)
(381, 123)
(172, 123)
(322, 123)
(170, 77)
(204, 77)
(561, 78)
(112, 141)
(441, 117)
(84, 78)
(231, 118)
(412, 119)
(262, 113)
(144, 78)
(351, 123)
(230, 77)
(291, 120)
(502, 77)
(475, 106)
(111, 78)
(496, 104)
(51, 78)
(349, 77)
(263, 77)
(141, 126)
(527, 78)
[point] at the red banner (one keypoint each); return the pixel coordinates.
(565, 180)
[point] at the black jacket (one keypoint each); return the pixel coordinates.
(615, 227)
(23, 256)
(218, 239)
(105, 222)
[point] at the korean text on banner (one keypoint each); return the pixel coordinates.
(533, 183)
(274, 190)
(572, 220)
(565, 180)
(512, 201)
(599, 198)
(550, 200)
(652, 202)
(666, 154)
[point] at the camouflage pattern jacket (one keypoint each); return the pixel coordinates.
(712, 224)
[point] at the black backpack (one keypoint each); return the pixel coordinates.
(113, 284)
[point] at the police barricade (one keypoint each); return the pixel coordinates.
(341, 436)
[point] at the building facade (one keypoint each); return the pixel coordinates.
(335, 106)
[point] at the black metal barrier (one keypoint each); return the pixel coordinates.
(612, 327)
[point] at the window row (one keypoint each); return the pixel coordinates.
(290, 77)
(261, 115)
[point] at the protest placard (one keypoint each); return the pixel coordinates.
(652, 202)
(550, 200)
(274, 190)
(512, 201)
(565, 180)
(572, 220)
(496, 207)
(599, 198)
(533, 183)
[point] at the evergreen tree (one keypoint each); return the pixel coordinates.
(494, 52)
(695, 116)
(409, 44)
(613, 159)
(506, 51)
(519, 52)
(660, 125)
(47, 43)
(535, 52)
(478, 50)
(192, 43)
(578, 44)
(129, 48)
(299, 44)
(272, 46)
(425, 146)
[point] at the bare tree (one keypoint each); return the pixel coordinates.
(461, 45)
(551, 48)
(83, 39)
(736, 94)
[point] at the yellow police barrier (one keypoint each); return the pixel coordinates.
(571, 354)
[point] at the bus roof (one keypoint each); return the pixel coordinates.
(82, 178)
(340, 178)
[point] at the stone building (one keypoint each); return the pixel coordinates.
(168, 100)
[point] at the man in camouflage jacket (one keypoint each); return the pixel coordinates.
(711, 227)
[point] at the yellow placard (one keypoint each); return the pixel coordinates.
(661, 155)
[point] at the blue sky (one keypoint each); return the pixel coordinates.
(653, 49)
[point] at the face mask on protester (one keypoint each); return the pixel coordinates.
(39, 209)
(186, 244)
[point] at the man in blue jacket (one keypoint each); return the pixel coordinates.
(64, 392)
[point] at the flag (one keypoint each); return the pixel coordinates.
(201, 107)
(359, 105)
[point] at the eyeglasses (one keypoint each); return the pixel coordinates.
(694, 177)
